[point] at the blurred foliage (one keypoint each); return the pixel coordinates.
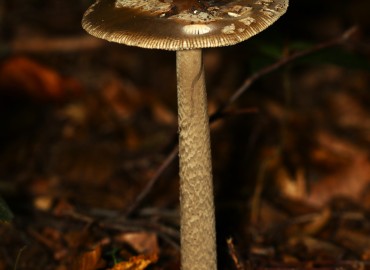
(268, 53)
(339, 57)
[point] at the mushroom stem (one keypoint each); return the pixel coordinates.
(198, 234)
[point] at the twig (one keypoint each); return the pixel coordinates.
(234, 255)
(227, 113)
(282, 62)
(167, 233)
(171, 156)
(220, 113)
(18, 257)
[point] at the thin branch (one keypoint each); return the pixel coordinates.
(220, 113)
(18, 257)
(143, 194)
(234, 254)
(167, 233)
(284, 61)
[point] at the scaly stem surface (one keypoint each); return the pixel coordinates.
(198, 236)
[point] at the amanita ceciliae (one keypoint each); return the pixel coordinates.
(187, 26)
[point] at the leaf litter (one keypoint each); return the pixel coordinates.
(82, 134)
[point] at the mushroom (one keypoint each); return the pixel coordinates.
(187, 26)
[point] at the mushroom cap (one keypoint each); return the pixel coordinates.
(180, 24)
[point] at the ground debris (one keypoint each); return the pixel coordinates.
(88, 133)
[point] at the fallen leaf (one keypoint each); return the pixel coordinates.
(23, 77)
(350, 176)
(318, 222)
(63, 207)
(89, 260)
(161, 113)
(356, 241)
(316, 248)
(140, 262)
(142, 242)
(294, 189)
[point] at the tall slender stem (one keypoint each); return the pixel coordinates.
(198, 236)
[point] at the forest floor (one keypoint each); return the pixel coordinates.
(88, 136)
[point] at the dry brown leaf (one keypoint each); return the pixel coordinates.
(89, 260)
(318, 222)
(161, 113)
(62, 207)
(356, 241)
(316, 248)
(142, 242)
(349, 178)
(24, 77)
(140, 262)
(294, 189)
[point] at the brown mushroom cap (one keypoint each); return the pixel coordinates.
(180, 24)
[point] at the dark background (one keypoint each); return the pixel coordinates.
(85, 123)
